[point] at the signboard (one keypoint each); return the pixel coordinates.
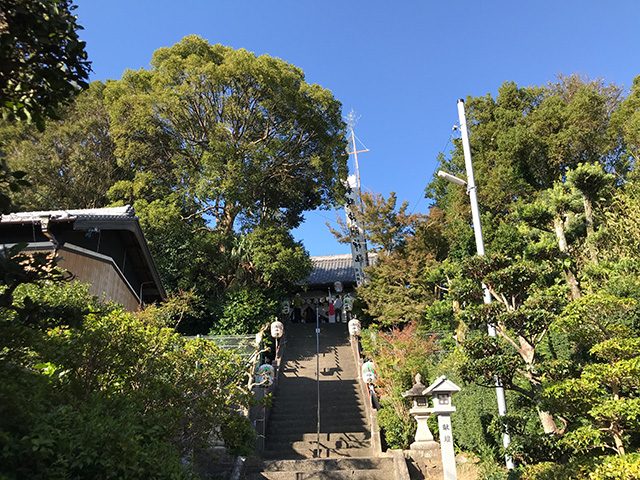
(356, 232)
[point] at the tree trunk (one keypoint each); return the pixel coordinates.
(527, 353)
(572, 281)
(616, 431)
(226, 221)
(558, 228)
(548, 423)
(588, 215)
(617, 440)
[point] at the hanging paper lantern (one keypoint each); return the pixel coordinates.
(337, 286)
(277, 329)
(347, 303)
(368, 372)
(355, 327)
(265, 375)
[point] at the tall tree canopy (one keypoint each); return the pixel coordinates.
(72, 163)
(219, 151)
(242, 136)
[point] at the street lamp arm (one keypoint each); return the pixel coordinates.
(451, 178)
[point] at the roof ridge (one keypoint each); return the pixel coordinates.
(124, 211)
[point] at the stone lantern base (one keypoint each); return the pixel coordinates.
(428, 445)
(423, 439)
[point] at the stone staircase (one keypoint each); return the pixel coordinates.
(345, 441)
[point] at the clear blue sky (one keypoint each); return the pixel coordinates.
(401, 65)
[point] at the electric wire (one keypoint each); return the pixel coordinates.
(421, 194)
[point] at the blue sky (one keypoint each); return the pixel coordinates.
(401, 65)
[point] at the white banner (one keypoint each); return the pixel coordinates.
(356, 232)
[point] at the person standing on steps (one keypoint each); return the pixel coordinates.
(332, 312)
(309, 314)
(297, 308)
(337, 304)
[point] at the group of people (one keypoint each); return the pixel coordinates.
(327, 309)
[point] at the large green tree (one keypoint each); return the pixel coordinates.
(219, 151)
(243, 136)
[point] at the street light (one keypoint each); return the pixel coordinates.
(477, 230)
(452, 178)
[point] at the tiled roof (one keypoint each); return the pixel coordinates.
(110, 213)
(330, 269)
(110, 218)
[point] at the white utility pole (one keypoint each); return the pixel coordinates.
(477, 230)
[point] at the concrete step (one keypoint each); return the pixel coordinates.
(340, 391)
(364, 468)
(338, 409)
(330, 396)
(311, 419)
(286, 428)
(333, 436)
(319, 465)
(339, 475)
(343, 412)
(283, 444)
(327, 417)
(309, 451)
(295, 390)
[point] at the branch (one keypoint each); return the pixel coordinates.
(501, 331)
(210, 208)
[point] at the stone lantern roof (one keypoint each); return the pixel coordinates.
(442, 385)
(417, 390)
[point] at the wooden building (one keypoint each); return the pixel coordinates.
(103, 247)
(319, 288)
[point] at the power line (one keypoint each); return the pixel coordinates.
(421, 195)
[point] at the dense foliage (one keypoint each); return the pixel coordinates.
(90, 391)
(43, 63)
(558, 191)
(218, 150)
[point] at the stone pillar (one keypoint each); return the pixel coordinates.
(446, 447)
(441, 391)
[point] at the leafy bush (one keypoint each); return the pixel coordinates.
(244, 311)
(399, 354)
(619, 467)
(609, 467)
(91, 391)
(398, 430)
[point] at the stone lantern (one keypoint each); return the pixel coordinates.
(420, 411)
(441, 390)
